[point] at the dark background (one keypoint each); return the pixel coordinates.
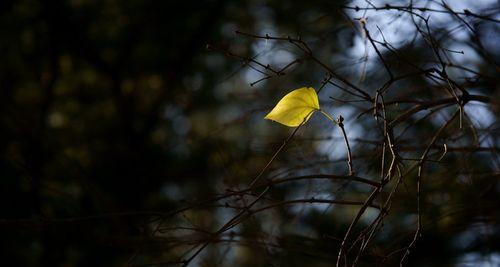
(115, 113)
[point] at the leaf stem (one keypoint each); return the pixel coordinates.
(328, 116)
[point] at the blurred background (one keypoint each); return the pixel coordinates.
(120, 118)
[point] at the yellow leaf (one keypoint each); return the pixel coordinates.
(295, 108)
